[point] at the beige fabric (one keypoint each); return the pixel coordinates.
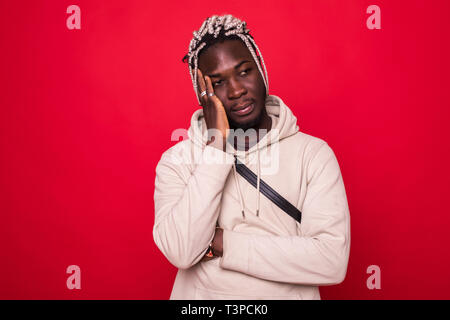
(266, 256)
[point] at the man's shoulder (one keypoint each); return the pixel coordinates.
(180, 145)
(316, 150)
(182, 154)
(309, 143)
(319, 152)
(179, 149)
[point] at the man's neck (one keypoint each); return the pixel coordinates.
(261, 130)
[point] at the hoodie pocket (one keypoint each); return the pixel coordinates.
(208, 294)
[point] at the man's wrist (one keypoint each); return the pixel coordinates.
(217, 243)
(215, 248)
(209, 252)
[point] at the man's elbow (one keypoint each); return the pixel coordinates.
(180, 263)
(339, 277)
(177, 256)
(338, 261)
(179, 260)
(339, 271)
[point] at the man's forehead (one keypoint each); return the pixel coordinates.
(224, 56)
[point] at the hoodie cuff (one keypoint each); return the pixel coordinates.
(236, 251)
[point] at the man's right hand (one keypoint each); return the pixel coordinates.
(213, 109)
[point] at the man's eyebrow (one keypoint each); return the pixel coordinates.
(217, 75)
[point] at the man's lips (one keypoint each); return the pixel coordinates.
(242, 106)
(245, 109)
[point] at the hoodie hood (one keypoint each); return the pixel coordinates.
(284, 124)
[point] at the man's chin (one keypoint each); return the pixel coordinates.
(244, 125)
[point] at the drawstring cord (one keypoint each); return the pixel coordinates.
(258, 175)
(238, 188)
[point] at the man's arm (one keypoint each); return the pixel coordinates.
(320, 256)
(186, 210)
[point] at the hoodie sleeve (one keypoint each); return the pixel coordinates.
(320, 255)
(187, 204)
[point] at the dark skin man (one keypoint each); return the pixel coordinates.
(228, 70)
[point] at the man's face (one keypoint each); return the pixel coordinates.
(236, 81)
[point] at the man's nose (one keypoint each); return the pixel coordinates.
(235, 89)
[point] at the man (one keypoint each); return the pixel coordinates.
(228, 240)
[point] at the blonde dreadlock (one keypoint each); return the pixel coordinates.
(220, 28)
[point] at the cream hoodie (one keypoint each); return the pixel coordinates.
(266, 253)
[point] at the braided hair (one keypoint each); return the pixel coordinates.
(218, 29)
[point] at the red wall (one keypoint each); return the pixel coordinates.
(86, 114)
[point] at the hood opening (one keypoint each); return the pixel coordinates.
(284, 124)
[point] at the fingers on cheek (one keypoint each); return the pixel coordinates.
(207, 81)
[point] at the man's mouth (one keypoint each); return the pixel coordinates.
(245, 109)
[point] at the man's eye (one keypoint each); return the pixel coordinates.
(217, 82)
(246, 71)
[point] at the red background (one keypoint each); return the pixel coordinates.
(86, 115)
